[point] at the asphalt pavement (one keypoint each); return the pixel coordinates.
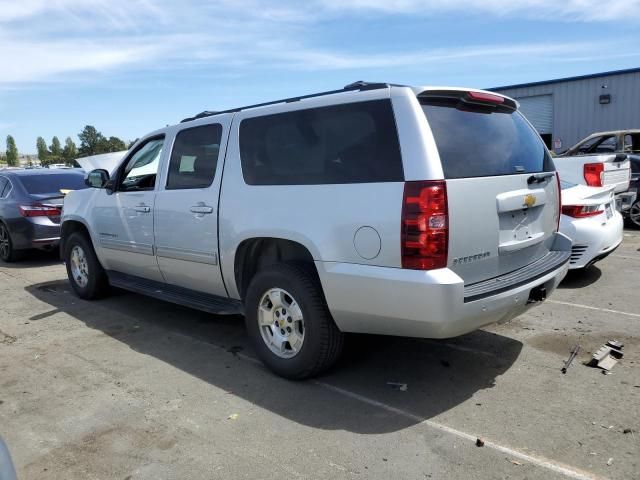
(132, 388)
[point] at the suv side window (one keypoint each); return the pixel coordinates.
(349, 143)
(141, 169)
(194, 157)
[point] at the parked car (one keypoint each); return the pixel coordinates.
(30, 207)
(590, 219)
(7, 471)
(633, 214)
(426, 212)
(602, 160)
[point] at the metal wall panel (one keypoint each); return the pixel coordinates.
(577, 111)
(539, 111)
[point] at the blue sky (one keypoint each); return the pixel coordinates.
(131, 66)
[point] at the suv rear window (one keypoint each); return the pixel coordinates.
(52, 183)
(349, 143)
(477, 141)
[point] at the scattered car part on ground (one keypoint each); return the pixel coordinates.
(602, 160)
(590, 220)
(574, 351)
(607, 355)
(307, 214)
(30, 208)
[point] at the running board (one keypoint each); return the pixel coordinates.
(174, 294)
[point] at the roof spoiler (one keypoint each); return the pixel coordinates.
(469, 98)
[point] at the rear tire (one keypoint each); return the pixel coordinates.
(8, 254)
(87, 277)
(289, 322)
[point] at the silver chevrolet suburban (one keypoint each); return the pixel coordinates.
(377, 208)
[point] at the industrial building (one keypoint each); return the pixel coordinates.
(566, 110)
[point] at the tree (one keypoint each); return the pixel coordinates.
(69, 152)
(92, 142)
(12, 152)
(55, 149)
(113, 144)
(43, 151)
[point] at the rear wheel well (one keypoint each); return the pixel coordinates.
(69, 227)
(255, 254)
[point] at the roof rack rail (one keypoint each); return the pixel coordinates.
(359, 85)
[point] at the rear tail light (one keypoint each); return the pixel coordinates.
(425, 225)
(559, 201)
(39, 211)
(581, 211)
(485, 97)
(593, 174)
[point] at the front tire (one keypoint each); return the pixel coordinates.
(289, 322)
(87, 277)
(8, 253)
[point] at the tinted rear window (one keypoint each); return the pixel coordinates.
(481, 142)
(350, 143)
(38, 184)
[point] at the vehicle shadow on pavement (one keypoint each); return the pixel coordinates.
(438, 374)
(35, 259)
(581, 278)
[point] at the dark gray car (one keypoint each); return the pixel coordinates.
(30, 207)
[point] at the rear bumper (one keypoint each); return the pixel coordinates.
(429, 304)
(35, 232)
(592, 241)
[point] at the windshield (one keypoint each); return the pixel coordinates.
(52, 183)
(480, 141)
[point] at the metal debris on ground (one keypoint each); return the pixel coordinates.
(398, 386)
(607, 355)
(515, 462)
(479, 442)
(233, 416)
(573, 354)
(609, 462)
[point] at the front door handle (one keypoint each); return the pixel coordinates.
(142, 208)
(201, 209)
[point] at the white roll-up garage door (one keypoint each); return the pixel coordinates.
(539, 111)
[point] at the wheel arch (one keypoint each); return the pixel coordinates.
(72, 226)
(254, 254)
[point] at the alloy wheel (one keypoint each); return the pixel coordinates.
(634, 214)
(79, 267)
(5, 243)
(281, 323)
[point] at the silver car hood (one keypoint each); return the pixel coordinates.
(107, 161)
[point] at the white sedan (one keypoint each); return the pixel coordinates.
(590, 219)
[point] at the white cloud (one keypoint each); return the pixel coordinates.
(568, 10)
(48, 40)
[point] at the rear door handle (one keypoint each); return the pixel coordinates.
(142, 208)
(201, 209)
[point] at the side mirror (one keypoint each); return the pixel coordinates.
(97, 178)
(620, 157)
